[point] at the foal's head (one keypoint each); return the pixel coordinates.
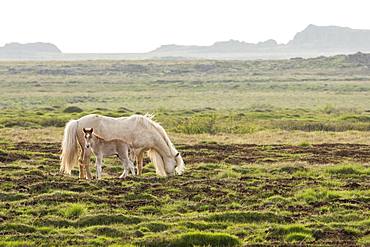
(89, 136)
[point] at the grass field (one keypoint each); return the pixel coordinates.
(276, 152)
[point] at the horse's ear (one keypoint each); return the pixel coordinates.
(91, 130)
(177, 155)
(84, 130)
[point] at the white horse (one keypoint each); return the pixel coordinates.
(138, 131)
(102, 148)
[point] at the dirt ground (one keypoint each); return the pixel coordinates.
(229, 153)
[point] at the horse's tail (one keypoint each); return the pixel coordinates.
(69, 147)
(180, 165)
(157, 160)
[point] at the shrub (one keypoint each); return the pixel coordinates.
(72, 109)
(198, 125)
(52, 122)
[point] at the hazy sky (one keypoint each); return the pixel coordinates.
(143, 25)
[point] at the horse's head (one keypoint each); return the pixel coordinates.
(180, 166)
(89, 137)
(174, 165)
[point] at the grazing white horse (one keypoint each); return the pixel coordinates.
(138, 131)
(102, 148)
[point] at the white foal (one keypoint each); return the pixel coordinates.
(102, 148)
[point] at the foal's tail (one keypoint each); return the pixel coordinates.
(69, 147)
(157, 160)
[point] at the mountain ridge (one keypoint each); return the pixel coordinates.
(310, 42)
(312, 38)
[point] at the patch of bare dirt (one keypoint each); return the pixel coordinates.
(249, 153)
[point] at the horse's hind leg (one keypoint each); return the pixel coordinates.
(139, 163)
(126, 162)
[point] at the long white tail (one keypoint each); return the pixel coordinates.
(157, 160)
(69, 147)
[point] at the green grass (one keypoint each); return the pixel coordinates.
(74, 210)
(230, 194)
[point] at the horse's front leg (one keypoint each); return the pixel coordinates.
(99, 163)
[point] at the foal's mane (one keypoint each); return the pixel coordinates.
(98, 136)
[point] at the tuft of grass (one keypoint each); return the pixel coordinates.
(105, 219)
(53, 221)
(156, 226)
(304, 144)
(149, 210)
(192, 239)
(316, 195)
(299, 237)
(365, 240)
(245, 217)
(16, 243)
(201, 226)
(16, 228)
(206, 239)
(107, 231)
(74, 210)
(227, 174)
(276, 200)
(346, 170)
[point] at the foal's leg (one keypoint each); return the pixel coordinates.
(86, 162)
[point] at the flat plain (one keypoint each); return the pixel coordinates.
(276, 153)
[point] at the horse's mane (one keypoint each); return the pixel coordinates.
(148, 122)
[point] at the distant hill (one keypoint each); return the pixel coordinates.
(312, 41)
(330, 38)
(28, 50)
